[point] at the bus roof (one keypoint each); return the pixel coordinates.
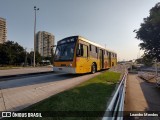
(88, 41)
(95, 44)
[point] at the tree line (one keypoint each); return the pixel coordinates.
(11, 53)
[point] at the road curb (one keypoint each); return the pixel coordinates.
(25, 74)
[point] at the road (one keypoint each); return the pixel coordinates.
(24, 70)
(18, 93)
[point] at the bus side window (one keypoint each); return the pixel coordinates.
(90, 48)
(79, 50)
(96, 50)
(85, 51)
(82, 50)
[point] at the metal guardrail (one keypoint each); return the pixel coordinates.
(116, 106)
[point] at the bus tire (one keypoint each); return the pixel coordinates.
(93, 68)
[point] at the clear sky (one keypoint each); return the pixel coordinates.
(106, 22)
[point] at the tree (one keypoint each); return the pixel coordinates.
(11, 53)
(52, 55)
(149, 34)
(38, 57)
(146, 60)
(4, 58)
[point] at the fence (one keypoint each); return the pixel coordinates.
(116, 106)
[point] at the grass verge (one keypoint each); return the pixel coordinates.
(86, 98)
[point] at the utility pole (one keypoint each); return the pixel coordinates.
(35, 9)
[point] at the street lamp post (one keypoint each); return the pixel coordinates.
(35, 9)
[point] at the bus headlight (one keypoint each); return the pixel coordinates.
(70, 65)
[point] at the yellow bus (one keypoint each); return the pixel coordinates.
(76, 54)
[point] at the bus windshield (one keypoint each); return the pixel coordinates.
(65, 52)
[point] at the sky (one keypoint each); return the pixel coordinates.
(109, 23)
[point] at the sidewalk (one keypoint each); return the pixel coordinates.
(23, 71)
(141, 96)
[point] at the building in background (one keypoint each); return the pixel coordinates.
(3, 30)
(44, 42)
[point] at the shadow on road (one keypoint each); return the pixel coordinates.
(39, 79)
(36, 79)
(151, 94)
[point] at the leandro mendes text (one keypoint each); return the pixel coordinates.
(144, 114)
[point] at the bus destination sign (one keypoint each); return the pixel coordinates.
(68, 40)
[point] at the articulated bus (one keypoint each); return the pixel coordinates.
(76, 54)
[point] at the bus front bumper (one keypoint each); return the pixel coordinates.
(64, 69)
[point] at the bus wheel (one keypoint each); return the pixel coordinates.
(93, 69)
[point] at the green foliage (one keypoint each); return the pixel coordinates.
(52, 56)
(38, 57)
(14, 54)
(11, 53)
(139, 60)
(4, 57)
(149, 33)
(30, 58)
(147, 60)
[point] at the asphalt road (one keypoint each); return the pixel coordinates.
(25, 70)
(18, 93)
